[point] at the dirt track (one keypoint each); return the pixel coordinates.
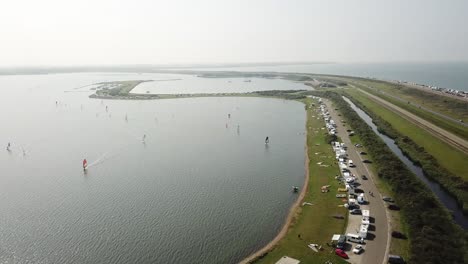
(440, 133)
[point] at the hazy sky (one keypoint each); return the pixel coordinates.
(89, 32)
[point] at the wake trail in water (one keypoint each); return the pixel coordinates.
(108, 155)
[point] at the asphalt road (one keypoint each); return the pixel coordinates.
(378, 239)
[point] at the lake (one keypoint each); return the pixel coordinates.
(202, 188)
(189, 84)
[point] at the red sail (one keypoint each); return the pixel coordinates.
(85, 163)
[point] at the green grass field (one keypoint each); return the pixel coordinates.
(314, 223)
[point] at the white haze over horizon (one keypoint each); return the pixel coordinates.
(107, 32)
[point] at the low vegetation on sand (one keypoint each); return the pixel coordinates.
(118, 90)
(430, 226)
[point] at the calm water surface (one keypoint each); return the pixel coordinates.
(204, 188)
(193, 84)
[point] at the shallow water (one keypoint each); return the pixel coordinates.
(199, 190)
(189, 84)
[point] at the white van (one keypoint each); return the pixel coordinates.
(355, 238)
(350, 163)
(360, 199)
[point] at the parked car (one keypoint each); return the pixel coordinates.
(395, 259)
(357, 190)
(341, 253)
(341, 243)
(358, 249)
(399, 235)
(367, 161)
(364, 177)
(354, 206)
(387, 199)
(358, 145)
(393, 207)
(355, 212)
(363, 153)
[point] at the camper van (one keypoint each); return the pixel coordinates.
(355, 238)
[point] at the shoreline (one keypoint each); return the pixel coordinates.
(292, 211)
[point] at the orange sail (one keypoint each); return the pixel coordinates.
(85, 164)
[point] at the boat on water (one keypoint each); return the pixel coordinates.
(85, 164)
(295, 189)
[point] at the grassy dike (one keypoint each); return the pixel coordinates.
(434, 237)
(315, 223)
(438, 160)
(452, 107)
(455, 128)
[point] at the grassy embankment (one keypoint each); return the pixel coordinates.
(409, 97)
(315, 223)
(451, 107)
(438, 160)
(429, 224)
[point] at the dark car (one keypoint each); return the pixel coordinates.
(363, 153)
(367, 161)
(355, 212)
(399, 235)
(353, 207)
(387, 199)
(341, 243)
(393, 207)
(357, 190)
(394, 259)
(364, 177)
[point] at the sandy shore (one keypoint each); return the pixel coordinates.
(289, 219)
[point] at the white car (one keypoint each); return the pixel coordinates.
(358, 249)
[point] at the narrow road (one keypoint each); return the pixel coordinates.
(438, 132)
(378, 239)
